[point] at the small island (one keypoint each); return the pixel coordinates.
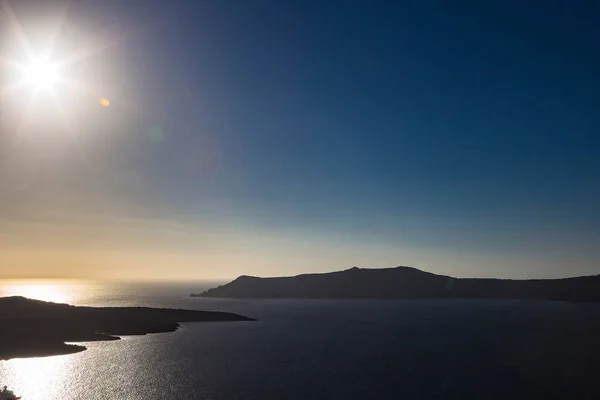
(33, 328)
(407, 283)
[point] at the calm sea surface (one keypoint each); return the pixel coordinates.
(305, 349)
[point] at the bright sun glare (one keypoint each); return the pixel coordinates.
(55, 291)
(42, 69)
(41, 74)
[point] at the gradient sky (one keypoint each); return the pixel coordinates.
(282, 137)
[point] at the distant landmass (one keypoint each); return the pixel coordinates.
(406, 283)
(33, 328)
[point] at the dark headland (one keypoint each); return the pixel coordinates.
(33, 328)
(406, 283)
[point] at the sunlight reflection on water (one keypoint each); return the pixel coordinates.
(50, 290)
(37, 378)
(107, 370)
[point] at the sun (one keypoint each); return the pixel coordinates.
(41, 74)
(45, 76)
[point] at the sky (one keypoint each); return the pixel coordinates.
(276, 138)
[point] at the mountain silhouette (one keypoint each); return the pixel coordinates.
(406, 283)
(34, 328)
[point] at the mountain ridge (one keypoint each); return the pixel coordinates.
(405, 282)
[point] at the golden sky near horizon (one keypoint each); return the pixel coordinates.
(92, 247)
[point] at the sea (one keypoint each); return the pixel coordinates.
(313, 349)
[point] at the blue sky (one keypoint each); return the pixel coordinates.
(318, 135)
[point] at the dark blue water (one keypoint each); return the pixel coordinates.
(318, 349)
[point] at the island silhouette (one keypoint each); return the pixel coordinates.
(34, 328)
(406, 283)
